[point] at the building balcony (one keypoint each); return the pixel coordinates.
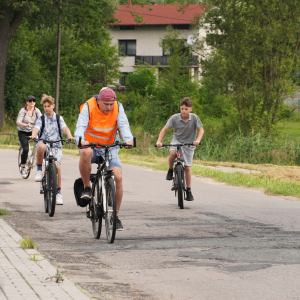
(162, 60)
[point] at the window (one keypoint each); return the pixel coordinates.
(183, 26)
(128, 47)
(127, 27)
(123, 79)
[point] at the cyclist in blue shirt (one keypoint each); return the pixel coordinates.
(51, 132)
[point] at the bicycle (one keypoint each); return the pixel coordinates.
(103, 204)
(179, 173)
(49, 180)
(31, 158)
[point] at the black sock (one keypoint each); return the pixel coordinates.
(188, 189)
(171, 170)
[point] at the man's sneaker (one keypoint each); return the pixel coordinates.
(59, 200)
(87, 193)
(170, 175)
(189, 196)
(23, 172)
(38, 176)
(119, 225)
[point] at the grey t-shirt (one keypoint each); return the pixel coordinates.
(185, 132)
(24, 117)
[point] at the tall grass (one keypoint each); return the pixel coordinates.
(254, 149)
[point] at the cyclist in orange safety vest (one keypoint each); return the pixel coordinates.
(98, 121)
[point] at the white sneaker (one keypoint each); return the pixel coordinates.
(59, 200)
(38, 176)
(23, 172)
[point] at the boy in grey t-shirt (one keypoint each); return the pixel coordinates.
(186, 125)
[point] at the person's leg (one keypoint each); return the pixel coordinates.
(59, 200)
(115, 165)
(24, 143)
(188, 154)
(58, 165)
(40, 153)
(85, 165)
(188, 176)
(172, 156)
(39, 161)
(119, 186)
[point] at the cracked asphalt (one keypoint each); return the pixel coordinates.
(230, 243)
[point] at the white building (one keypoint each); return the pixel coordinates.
(140, 41)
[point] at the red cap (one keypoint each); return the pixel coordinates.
(107, 95)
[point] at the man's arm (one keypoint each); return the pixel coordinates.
(124, 127)
(82, 122)
(35, 131)
(161, 136)
(67, 132)
(199, 137)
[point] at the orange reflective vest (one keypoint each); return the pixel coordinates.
(102, 128)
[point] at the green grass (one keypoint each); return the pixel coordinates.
(27, 243)
(270, 185)
(4, 212)
(291, 129)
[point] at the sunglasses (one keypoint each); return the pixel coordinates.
(31, 100)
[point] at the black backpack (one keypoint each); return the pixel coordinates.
(78, 189)
(43, 125)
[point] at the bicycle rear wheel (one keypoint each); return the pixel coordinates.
(97, 210)
(27, 164)
(178, 180)
(51, 188)
(111, 211)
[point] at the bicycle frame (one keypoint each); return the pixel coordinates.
(179, 161)
(105, 173)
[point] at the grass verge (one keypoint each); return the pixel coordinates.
(276, 180)
(4, 212)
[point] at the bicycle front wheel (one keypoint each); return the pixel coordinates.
(97, 210)
(178, 175)
(27, 164)
(51, 188)
(45, 194)
(111, 211)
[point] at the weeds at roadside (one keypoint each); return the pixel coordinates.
(59, 277)
(27, 243)
(4, 212)
(80, 289)
(33, 258)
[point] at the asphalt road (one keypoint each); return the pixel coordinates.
(230, 243)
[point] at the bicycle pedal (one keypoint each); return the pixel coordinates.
(41, 192)
(173, 188)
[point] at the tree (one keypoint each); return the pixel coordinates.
(85, 16)
(254, 54)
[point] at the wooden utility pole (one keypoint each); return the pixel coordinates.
(57, 64)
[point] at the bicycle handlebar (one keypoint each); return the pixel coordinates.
(107, 146)
(176, 145)
(51, 142)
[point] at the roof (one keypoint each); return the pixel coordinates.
(157, 14)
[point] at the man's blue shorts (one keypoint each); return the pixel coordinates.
(114, 160)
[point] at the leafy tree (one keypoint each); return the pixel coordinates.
(142, 80)
(254, 52)
(175, 81)
(84, 15)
